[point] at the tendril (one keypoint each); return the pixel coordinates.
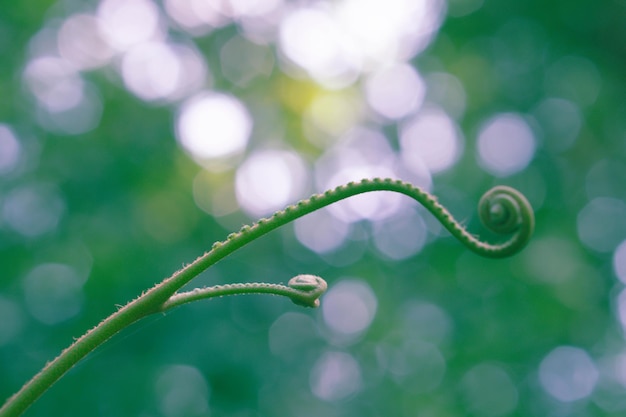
(502, 210)
(304, 290)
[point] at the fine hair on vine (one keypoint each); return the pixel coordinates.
(503, 210)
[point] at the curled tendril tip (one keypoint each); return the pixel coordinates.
(502, 209)
(309, 289)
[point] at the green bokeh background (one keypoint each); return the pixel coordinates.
(129, 219)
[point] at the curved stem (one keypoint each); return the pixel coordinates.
(33, 389)
(304, 290)
(502, 209)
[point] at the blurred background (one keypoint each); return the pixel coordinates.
(135, 133)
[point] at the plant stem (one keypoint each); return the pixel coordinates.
(124, 317)
(295, 290)
(502, 209)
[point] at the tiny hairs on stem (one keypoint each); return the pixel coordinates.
(503, 210)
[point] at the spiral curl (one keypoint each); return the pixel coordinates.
(505, 210)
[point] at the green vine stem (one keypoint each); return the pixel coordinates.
(502, 209)
(304, 290)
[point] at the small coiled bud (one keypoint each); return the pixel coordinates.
(309, 287)
(499, 210)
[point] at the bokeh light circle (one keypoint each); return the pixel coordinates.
(127, 23)
(213, 125)
(151, 70)
(313, 40)
(182, 390)
(619, 261)
(321, 231)
(335, 376)
(396, 91)
(53, 292)
(34, 209)
(10, 149)
(349, 308)
(431, 138)
(269, 180)
(568, 374)
(400, 236)
(55, 83)
(506, 144)
(81, 42)
(601, 224)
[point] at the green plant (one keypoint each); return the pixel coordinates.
(502, 209)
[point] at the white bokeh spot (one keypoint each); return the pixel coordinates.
(213, 125)
(506, 145)
(269, 180)
(568, 374)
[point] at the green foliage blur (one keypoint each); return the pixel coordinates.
(101, 197)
